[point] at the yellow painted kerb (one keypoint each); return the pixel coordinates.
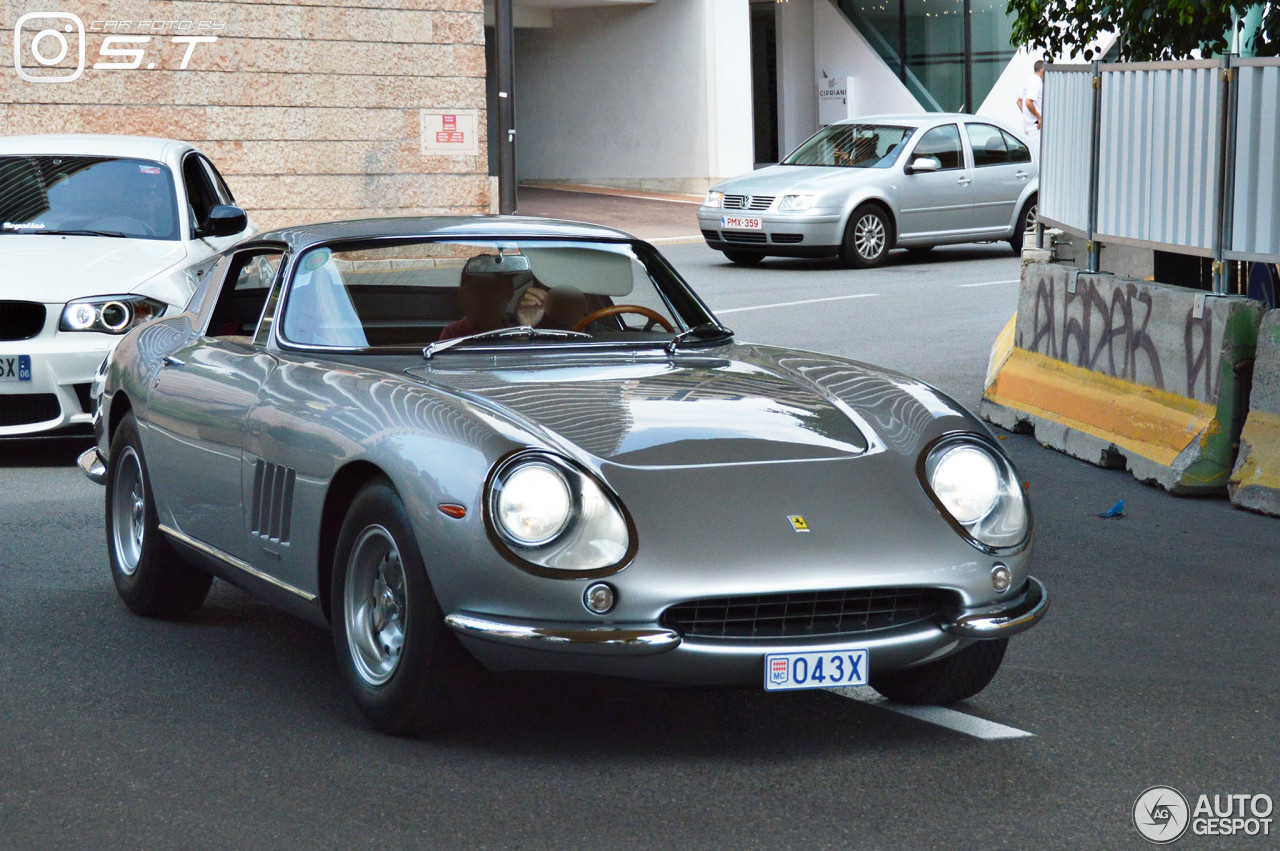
(1152, 423)
(1261, 467)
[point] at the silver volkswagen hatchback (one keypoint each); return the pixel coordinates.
(861, 187)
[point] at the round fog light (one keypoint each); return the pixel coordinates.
(1001, 576)
(598, 599)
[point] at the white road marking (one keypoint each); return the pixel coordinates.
(979, 728)
(990, 283)
(794, 303)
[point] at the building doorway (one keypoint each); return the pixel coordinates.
(764, 81)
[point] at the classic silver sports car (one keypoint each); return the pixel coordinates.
(861, 187)
(531, 440)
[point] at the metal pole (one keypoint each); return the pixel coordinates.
(1222, 213)
(968, 58)
(902, 40)
(1095, 136)
(504, 38)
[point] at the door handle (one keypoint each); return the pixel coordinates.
(170, 360)
(1021, 175)
(965, 181)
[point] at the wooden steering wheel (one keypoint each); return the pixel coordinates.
(616, 309)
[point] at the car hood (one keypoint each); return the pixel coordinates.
(743, 404)
(778, 179)
(57, 269)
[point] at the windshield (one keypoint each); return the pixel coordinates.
(852, 146)
(414, 294)
(106, 196)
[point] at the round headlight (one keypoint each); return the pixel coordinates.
(967, 483)
(81, 316)
(534, 504)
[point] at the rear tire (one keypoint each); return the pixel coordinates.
(400, 661)
(867, 238)
(956, 677)
(743, 258)
(1028, 220)
(152, 579)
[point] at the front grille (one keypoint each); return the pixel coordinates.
(20, 320)
(748, 202)
(753, 238)
(788, 238)
(711, 235)
(806, 614)
(26, 408)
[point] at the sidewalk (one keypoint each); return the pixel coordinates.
(653, 216)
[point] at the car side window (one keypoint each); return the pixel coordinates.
(988, 145)
(1018, 152)
(220, 189)
(200, 194)
(244, 293)
(943, 144)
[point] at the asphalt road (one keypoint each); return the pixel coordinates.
(1156, 666)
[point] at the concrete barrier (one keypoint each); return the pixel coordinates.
(1127, 373)
(1255, 482)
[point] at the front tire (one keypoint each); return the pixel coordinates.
(394, 650)
(743, 258)
(959, 676)
(152, 579)
(867, 238)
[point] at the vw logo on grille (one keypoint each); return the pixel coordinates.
(746, 200)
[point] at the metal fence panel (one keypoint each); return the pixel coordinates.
(1255, 228)
(1158, 163)
(1064, 150)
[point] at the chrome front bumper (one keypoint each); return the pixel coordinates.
(90, 463)
(1001, 620)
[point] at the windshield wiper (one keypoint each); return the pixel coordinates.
(705, 331)
(83, 232)
(502, 333)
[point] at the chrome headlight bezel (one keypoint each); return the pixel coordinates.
(597, 537)
(1002, 529)
(795, 203)
(109, 314)
(714, 199)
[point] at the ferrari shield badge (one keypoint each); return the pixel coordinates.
(797, 523)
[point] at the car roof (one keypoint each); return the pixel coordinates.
(918, 119)
(433, 227)
(87, 144)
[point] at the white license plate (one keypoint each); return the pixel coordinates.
(741, 223)
(819, 669)
(15, 367)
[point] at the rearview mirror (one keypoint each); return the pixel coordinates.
(223, 220)
(925, 164)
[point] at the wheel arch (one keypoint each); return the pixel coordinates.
(884, 207)
(342, 490)
(121, 405)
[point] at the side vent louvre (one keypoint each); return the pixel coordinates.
(272, 501)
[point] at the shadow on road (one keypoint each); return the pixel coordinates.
(43, 451)
(938, 256)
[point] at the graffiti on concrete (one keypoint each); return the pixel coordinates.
(1116, 327)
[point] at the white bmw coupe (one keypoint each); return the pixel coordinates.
(98, 234)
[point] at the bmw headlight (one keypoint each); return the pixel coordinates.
(549, 514)
(114, 314)
(795, 203)
(713, 199)
(977, 489)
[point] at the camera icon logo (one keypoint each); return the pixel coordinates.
(49, 46)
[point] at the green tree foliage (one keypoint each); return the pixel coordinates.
(1148, 29)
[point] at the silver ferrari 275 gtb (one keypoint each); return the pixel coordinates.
(529, 441)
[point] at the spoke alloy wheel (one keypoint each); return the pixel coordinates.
(869, 236)
(128, 511)
(1030, 223)
(374, 605)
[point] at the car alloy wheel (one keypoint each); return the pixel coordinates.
(375, 605)
(1030, 222)
(869, 236)
(128, 512)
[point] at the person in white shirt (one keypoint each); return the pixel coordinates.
(1032, 98)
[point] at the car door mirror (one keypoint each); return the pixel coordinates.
(223, 220)
(925, 164)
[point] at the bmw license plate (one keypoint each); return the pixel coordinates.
(741, 223)
(819, 669)
(15, 367)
